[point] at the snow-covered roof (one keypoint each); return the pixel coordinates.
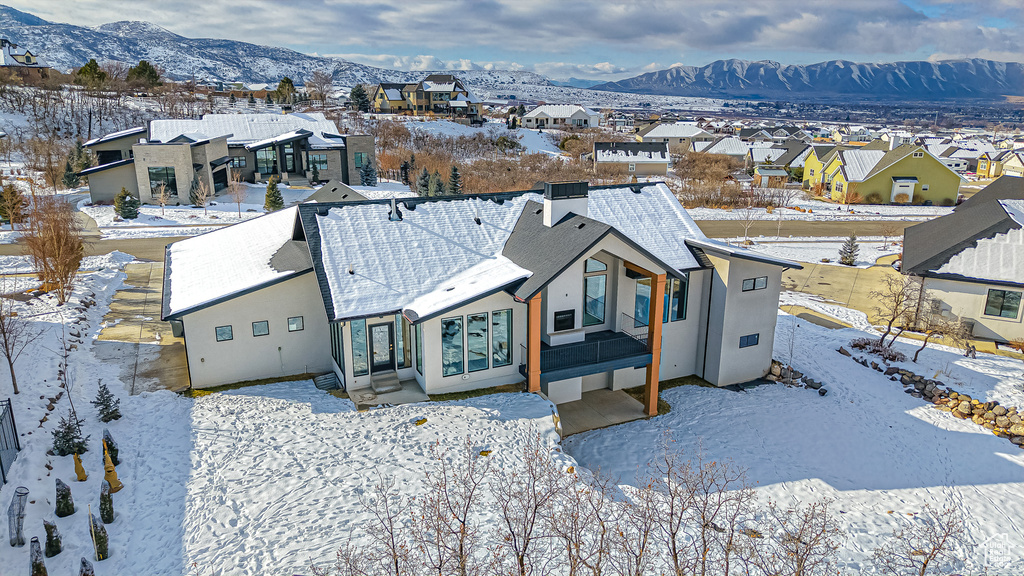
(1015, 210)
(226, 262)
(632, 152)
(244, 128)
(438, 86)
(393, 94)
(801, 158)
(279, 139)
(11, 55)
(742, 253)
(763, 155)
(559, 111)
(729, 146)
(116, 135)
(858, 163)
(677, 130)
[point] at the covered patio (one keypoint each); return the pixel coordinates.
(598, 409)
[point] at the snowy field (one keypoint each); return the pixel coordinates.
(814, 249)
(881, 454)
(532, 141)
(817, 210)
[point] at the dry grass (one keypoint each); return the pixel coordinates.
(506, 389)
(663, 406)
(196, 393)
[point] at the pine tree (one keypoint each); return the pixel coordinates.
(54, 543)
(231, 99)
(67, 437)
(285, 90)
(435, 186)
(314, 173)
(368, 174)
(412, 163)
(273, 200)
(455, 181)
(143, 74)
(403, 170)
(36, 563)
(111, 448)
(252, 99)
(423, 183)
(269, 100)
(65, 504)
(125, 205)
(100, 534)
(521, 111)
(90, 75)
(360, 100)
(109, 407)
(70, 178)
(106, 503)
(848, 251)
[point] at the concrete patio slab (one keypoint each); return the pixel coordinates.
(598, 409)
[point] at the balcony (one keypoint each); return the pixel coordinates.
(599, 352)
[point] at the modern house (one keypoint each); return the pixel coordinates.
(972, 261)
(561, 116)
(634, 158)
(907, 174)
(437, 95)
(678, 135)
(178, 153)
(570, 290)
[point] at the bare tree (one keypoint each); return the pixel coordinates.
(888, 230)
(237, 191)
(931, 542)
(162, 196)
(526, 495)
(349, 560)
(950, 330)
(748, 216)
(16, 332)
(320, 82)
(389, 553)
(201, 193)
(633, 549)
(799, 541)
(896, 296)
(54, 241)
(584, 525)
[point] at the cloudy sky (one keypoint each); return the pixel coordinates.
(599, 39)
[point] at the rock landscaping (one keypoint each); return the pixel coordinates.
(786, 375)
(1000, 420)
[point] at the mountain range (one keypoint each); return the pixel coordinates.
(67, 46)
(835, 79)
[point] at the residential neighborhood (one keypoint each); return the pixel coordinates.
(472, 290)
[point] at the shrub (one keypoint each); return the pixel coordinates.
(873, 346)
(109, 407)
(873, 198)
(901, 198)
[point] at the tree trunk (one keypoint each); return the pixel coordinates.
(923, 345)
(14, 379)
(895, 336)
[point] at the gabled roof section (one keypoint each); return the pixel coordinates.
(102, 167)
(559, 110)
(719, 247)
(116, 136)
(857, 164)
(228, 262)
(676, 130)
(243, 129)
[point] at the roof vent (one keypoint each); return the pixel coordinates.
(351, 270)
(477, 217)
(581, 225)
(636, 188)
(395, 215)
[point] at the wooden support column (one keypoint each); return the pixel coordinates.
(654, 325)
(533, 323)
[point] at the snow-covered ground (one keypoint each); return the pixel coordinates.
(814, 249)
(880, 453)
(818, 210)
(532, 141)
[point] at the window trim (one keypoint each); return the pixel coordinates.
(302, 324)
(745, 341)
(231, 333)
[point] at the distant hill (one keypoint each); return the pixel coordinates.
(577, 82)
(971, 78)
(66, 46)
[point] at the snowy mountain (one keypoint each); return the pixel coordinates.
(65, 46)
(970, 78)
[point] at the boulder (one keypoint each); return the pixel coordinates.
(964, 408)
(813, 385)
(1016, 430)
(1002, 421)
(822, 392)
(797, 374)
(999, 410)
(776, 369)
(989, 425)
(989, 416)
(953, 395)
(874, 365)
(916, 394)
(891, 370)
(1014, 418)
(844, 351)
(1018, 440)
(906, 379)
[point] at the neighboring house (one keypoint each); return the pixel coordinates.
(21, 62)
(572, 290)
(1014, 164)
(754, 135)
(990, 164)
(972, 261)
(907, 174)
(437, 95)
(679, 135)
(561, 116)
(725, 145)
(635, 158)
(255, 146)
(815, 161)
(770, 176)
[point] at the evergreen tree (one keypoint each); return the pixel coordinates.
(454, 181)
(285, 90)
(80, 156)
(269, 99)
(521, 111)
(112, 451)
(106, 503)
(100, 533)
(314, 173)
(143, 74)
(86, 569)
(231, 99)
(37, 567)
(108, 406)
(403, 170)
(423, 183)
(360, 100)
(435, 186)
(67, 437)
(12, 204)
(368, 174)
(412, 162)
(273, 201)
(54, 543)
(90, 75)
(848, 251)
(65, 505)
(252, 100)
(70, 178)
(126, 205)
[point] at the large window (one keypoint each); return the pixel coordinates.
(476, 341)
(163, 175)
(318, 160)
(501, 338)
(360, 158)
(594, 287)
(1002, 303)
(675, 300)
(452, 348)
(360, 356)
(403, 342)
(266, 161)
(237, 162)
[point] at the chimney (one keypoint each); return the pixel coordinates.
(561, 198)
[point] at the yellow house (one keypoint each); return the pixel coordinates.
(990, 164)
(907, 174)
(814, 164)
(441, 95)
(1014, 165)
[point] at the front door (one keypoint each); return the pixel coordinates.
(289, 158)
(382, 347)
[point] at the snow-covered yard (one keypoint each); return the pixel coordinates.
(532, 141)
(815, 249)
(817, 210)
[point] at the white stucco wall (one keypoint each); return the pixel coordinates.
(104, 186)
(966, 300)
(246, 357)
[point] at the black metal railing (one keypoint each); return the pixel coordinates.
(636, 329)
(9, 445)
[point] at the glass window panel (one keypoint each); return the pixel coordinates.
(501, 338)
(402, 341)
(163, 175)
(476, 341)
(452, 349)
(593, 265)
(594, 291)
(419, 348)
(1011, 304)
(750, 340)
(679, 293)
(223, 333)
(748, 284)
(360, 356)
(295, 324)
(760, 283)
(1003, 303)
(266, 161)
(261, 328)
(642, 303)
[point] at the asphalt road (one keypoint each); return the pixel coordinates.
(151, 249)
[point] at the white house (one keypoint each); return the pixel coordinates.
(678, 134)
(972, 261)
(560, 116)
(635, 158)
(573, 289)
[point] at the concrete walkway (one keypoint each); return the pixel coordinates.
(135, 338)
(598, 409)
